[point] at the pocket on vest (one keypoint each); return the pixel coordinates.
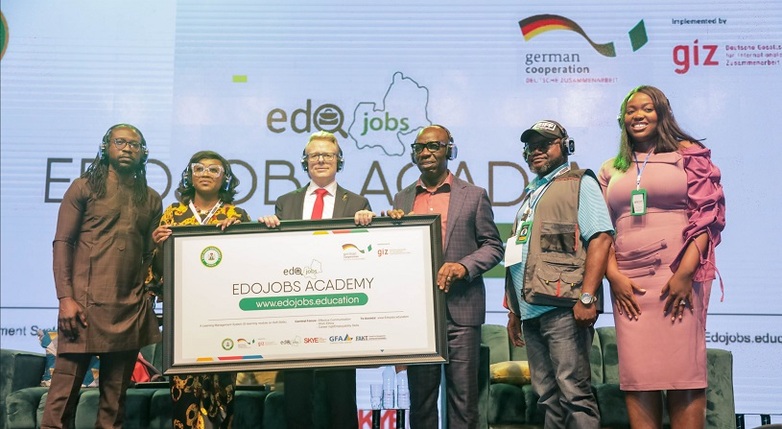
(558, 281)
(558, 237)
(551, 270)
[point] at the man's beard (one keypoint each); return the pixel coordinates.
(549, 166)
(124, 168)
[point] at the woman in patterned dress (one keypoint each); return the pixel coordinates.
(205, 196)
(666, 202)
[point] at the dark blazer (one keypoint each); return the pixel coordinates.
(346, 204)
(471, 238)
(341, 383)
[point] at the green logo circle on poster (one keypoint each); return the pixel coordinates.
(3, 35)
(211, 256)
(228, 344)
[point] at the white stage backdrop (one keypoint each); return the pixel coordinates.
(252, 79)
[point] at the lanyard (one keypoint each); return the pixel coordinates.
(640, 171)
(208, 215)
(534, 197)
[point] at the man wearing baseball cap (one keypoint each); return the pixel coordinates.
(556, 259)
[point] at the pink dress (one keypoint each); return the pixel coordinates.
(684, 199)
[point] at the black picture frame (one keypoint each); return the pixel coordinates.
(258, 243)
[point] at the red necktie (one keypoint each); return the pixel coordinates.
(317, 209)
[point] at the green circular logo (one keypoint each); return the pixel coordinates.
(228, 344)
(3, 35)
(211, 256)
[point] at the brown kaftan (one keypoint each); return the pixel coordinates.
(102, 248)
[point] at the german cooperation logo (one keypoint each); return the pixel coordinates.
(558, 63)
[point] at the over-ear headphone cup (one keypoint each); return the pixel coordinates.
(186, 178)
(568, 146)
(453, 151)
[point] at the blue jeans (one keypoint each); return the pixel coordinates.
(558, 353)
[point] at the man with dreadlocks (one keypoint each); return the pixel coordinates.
(102, 248)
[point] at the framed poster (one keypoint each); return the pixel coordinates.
(307, 294)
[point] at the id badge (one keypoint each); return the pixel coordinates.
(638, 202)
(524, 231)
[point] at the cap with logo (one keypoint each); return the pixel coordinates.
(546, 128)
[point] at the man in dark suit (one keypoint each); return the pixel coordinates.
(322, 198)
(471, 246)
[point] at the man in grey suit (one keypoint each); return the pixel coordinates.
(322, 198)
(471, 246)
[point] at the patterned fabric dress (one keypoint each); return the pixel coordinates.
(202, 400)
(684, 199)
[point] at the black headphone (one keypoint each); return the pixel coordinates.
(452, 152)
(568, 144)
(187, 173)
(305, 162)
(103, 151)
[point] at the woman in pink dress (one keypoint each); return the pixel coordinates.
(667, 205)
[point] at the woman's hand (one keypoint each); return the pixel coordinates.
(623, 290)
(225, 223)
(160, 234)
(679, 286)
(679, 291)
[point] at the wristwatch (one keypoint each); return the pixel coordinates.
(587, 298)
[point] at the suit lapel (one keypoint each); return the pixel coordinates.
(340, 203)
(409, 199)
(297, 208)
(455, 203)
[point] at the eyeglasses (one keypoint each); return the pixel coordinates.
(326, 156)
(213, 170)
(542, 145)
(121, 143)
(431, 146)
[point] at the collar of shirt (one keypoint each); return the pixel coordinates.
(540, 181)
(331, 187)
(442, 187)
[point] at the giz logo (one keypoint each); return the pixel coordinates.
(327, 117)
(389, 123)
(681, 56)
